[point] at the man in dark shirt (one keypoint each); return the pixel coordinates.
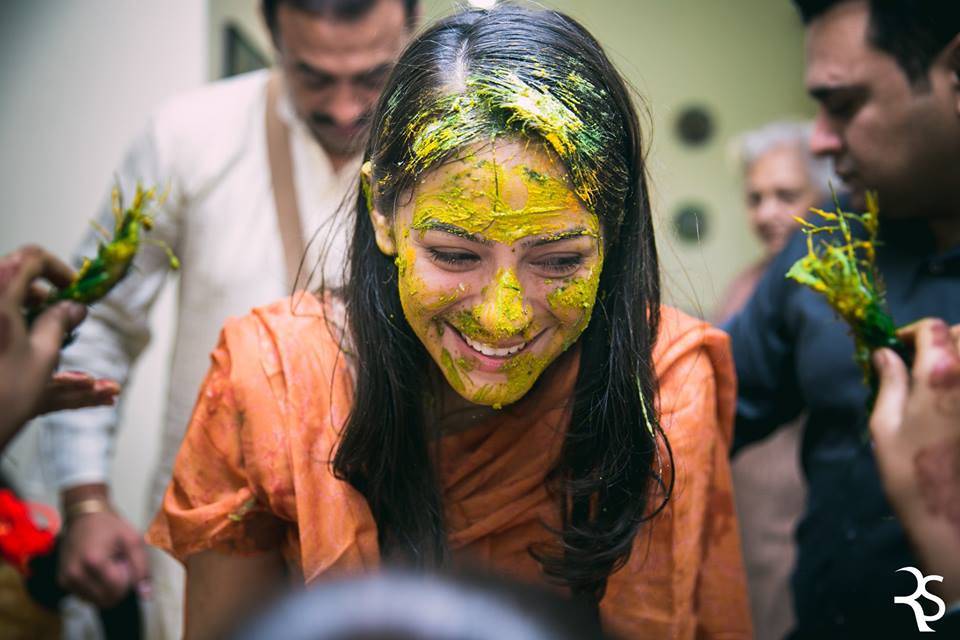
(886, 74)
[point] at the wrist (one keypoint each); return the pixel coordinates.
(89, 506)
(84, 500)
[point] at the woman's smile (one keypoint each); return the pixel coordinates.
(489, 357)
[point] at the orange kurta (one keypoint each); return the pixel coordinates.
(254, 473)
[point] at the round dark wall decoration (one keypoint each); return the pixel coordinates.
(695, 125)
(690, 223)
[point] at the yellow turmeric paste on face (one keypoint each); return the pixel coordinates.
(510, 203)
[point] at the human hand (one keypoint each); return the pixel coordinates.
(75, 390)
(29, 355)
(916, 434)
(102, 556)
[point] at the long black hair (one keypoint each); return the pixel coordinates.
(607, 479)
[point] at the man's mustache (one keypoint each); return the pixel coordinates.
(319, 119)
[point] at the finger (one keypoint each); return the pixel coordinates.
(137, 555)
(109, 578)
(955, 334)
(75, 399)
(29, 263)
(892, 397)
(36, 294)
(106, 387)
(77, 381)
(46, 335)
(118, 577)
(56, 271)
(937, 356)
(907, 333)
(71, 380)
(82, 579)
(46, 338)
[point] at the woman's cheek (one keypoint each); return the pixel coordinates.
(426, 289)
(573, 300)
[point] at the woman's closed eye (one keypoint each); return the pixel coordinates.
(453, 258)
(560, 264)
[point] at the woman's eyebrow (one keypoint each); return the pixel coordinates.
(556, 237)
(435, 225)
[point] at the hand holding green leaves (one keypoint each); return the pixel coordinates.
(28, 355)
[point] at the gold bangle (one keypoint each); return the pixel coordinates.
(86, 507)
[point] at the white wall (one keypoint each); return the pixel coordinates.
(77, 80)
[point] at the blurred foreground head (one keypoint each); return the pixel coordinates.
(407, 606)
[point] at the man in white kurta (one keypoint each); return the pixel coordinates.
(209, 150)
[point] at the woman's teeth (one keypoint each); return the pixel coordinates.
(487, 350)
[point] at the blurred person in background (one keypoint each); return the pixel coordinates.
(251, 164)
(782, 179)
(886, 77)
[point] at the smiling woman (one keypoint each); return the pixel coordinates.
(497, 382)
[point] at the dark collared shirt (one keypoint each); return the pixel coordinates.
(793, 354)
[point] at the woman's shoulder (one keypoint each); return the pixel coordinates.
(292, 345)
(680, 334)
(301, 322)
(691, 355)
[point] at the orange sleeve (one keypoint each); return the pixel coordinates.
(685, 578)
(210, 502)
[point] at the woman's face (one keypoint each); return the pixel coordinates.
(499, 264)
(778, 187)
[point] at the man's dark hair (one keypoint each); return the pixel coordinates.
(914, 32)
(340, 9)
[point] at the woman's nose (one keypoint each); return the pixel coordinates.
(503, 312)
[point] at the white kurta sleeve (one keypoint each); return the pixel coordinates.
(77, 446)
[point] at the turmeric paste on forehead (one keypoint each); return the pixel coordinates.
(480, 202)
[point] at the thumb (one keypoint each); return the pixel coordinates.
(892, 397)
(46, 335)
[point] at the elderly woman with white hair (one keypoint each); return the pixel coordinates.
(782, 179)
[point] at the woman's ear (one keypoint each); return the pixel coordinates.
(382, 229)
(383, 232)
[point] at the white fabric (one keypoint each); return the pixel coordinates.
(209, 149)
